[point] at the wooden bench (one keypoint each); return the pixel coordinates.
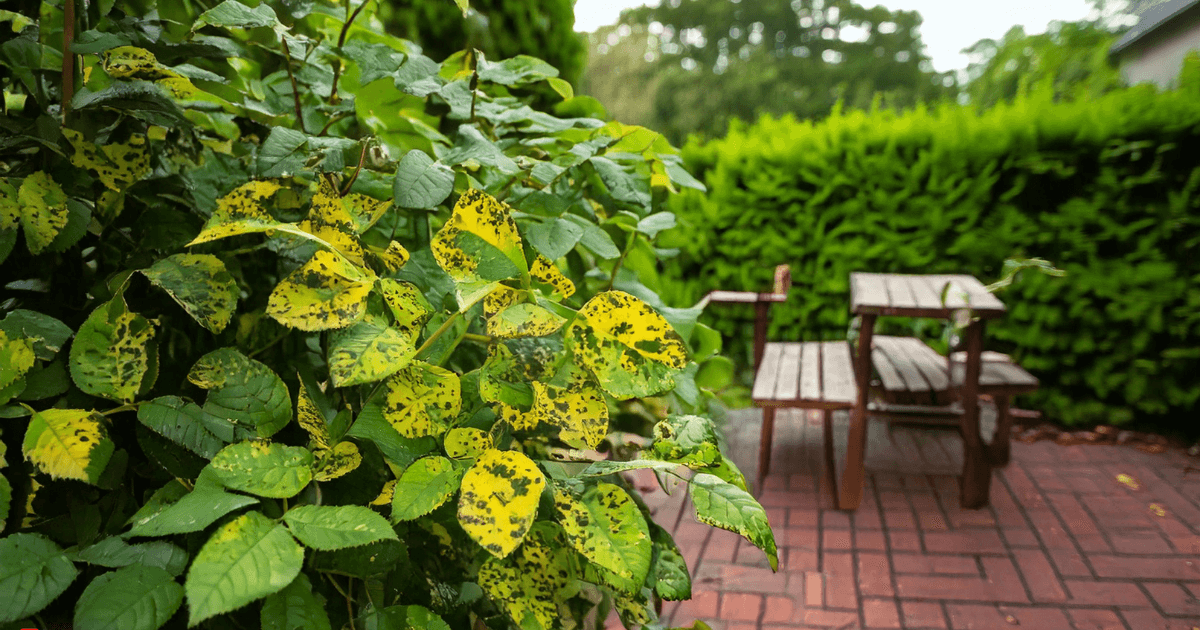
(916, 381)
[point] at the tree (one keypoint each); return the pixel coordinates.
(717, 59)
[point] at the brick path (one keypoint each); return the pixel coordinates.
(1063, 545)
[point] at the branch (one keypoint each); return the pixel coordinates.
(362, 157)
(295, 92)
(68, 62)
(337, 67)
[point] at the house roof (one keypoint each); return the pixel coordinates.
(1151, 19)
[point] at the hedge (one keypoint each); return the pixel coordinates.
(1107, 189)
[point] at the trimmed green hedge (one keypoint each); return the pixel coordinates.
(1107, 189)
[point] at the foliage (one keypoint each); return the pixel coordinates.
(701, 63)
(1106, 188)
(307, 330)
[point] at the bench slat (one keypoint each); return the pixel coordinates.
(922, 291)
(789, 373)
(914, 380)
(931, 364)
(1000, 378)
(899, 292)
(868, 290)
(768, 373)
(837, 375)
(810, 372)
(888, 374)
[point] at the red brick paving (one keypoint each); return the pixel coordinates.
(1063, 544)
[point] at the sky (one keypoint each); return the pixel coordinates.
(949, 27)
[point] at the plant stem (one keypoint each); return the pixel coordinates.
(478, 338)
(362, 157)
(68, 62)
(337, 66)
(291, 77)
(128, 407)
(331, 122)
(438, 333)
(620, 261)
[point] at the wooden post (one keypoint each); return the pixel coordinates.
(850, 489)
(999, 449)
(761, 310)
(764, 445)
(977, 468)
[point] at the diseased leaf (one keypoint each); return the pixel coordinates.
(392, 258)
(311, 419)
(43, 210)
(68, 444)
(364, 211)
(33, 572)
(478, 246)
(246, 559)
(668, 570)
(264, 469)
(422, 399)
(689, 440)
(45, 333)
(630, 348)
(177, 511)
(423, 487)
(10, 206)
(136, 597)
(609, 467)
(517, 419)
(636, 610)
(579, 411)
(467, 442)
(546, 272)
(184, 423)
(245, 392)
(16, 358)
(524, 320)
(117, 166)
(367, 351)
(420, 182)
(342, 459)
(604, 525)
(408, 306)
(297, 607)
(499, 499)
(112, 352)
(324, 293)
(240, 212)
(727, 506)
(337, 527)
(526, 586)
(200, 284)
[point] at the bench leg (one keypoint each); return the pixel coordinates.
(764, 449)
(977, 465)
(999, 449)
(850, 488)
(830, 462)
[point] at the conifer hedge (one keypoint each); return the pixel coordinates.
(1107, 189)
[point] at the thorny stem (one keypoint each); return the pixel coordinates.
(291, 77)
(362, 157)
(337, 65)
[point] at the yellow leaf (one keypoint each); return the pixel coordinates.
(478, 246)
(1128, 481)
(311, 419)
(527, 586)
(16, 358)
(68, 444)
(10, 206)
(524, 320)
(606, 527)
(365, 211)
(323, 294)
(129, 62)
(367, 351)
(517, 419)
(113, 352)
(422, 400)
(500, 298)
(240, 212)
(1157, 510)
(336, 462)
(546, 272)
(499, 499)
(580, 413)
(409, 307)
(327, 208)
(345, 243)
(385, 495)
(467, 442)
(43, 210)
(630, 348)
(393, 257)
(117, 166)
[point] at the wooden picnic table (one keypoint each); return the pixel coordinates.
(932, 296)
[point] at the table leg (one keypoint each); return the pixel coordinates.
(1001, 445)
(851, 487)
(977, 468)
(764, 447)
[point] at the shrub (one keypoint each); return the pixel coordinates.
(278, 288)
(1107, 189)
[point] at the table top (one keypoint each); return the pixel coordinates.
(920, 295)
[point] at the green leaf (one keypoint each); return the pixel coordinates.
(245, 392)
(191, 512)
(33, 572)
(247, 558)
(43, 210)
(366, 352)
(46, 382)
(422, 399)
(655, 223)
(478, 246)
(554, 238)
(232, 14)
(423, 487)
(399, 450)
(113, 352)
(527, 586)
(499, 499)
(376, 558)
(184, 423)
(689, 440)
(517, 70)
(240, 212)
(5, 497)
(325, 293)
(606, 527)
(668, 569)
(200, 284)
(47, 334)
(133, 598)
(264, 469)
(329, 528)
(16, 358)
(561, 86)
(420, 182)
(609, 467)
(297, 607)
(623, 185)
(630, 348)
(113, 552)
(68, 444)
(722, 504)
(595, 238)
(283, 153)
